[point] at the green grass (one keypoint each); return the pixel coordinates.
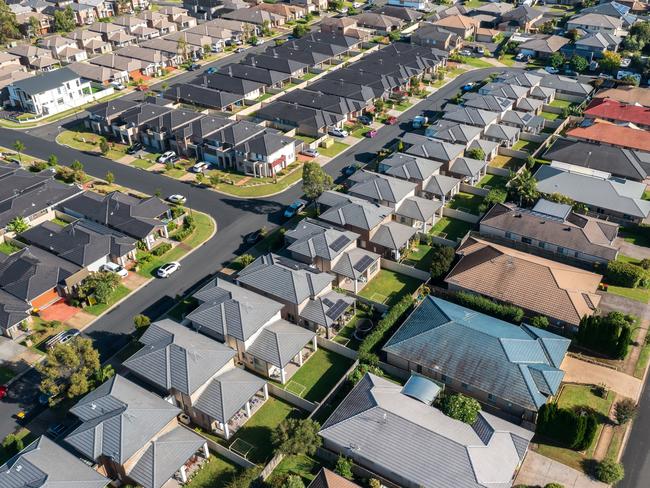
(216, 471)
(319, 374)
(508, 59)
(142, 163)
(646, 195)
(265, 187)
(522, 145)
(616, 442)
(303, 466)
(182, 308)
(204, 229)
(305, 139)
(473, 4)
(550, 116)
(175, 172)
(466, 202)
(257, 431)
(27, 438)
(560, 103)
(389, 287)
(264, 96)
(346, 334)
(451, 229)
(120, 292)
(637, 294)
(6, 374)
(308, 76)
(333, 150)
(8, 248)
(420, 258)
(60, 222)
(642, 363)
(636, 234)
(476, 62)
(404, 106)
(360, 132)
(493, 181)
(507, 162)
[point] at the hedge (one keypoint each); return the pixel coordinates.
(610, 334)
(573, 429)
(161, 249)
(373, 339)
(509, 313)
(619, 273)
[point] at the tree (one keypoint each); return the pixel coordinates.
(109, 177)
(200, 178)
(293, 481)
(553, 485)
(578, 63)
(246, 259)
(297, 436)
(215, 179)
(609, 471)
(610, 62)
(494, 196)
(522, 188)
(34, 26)
(52, 160)
(207, 48)
(573, 35)
(625, 410)
(343, 467)
(17, 225)
(476, 153)
(334, 5)
(141, 321)
(77, 165)
(181, 47)
(443, 256)
(266, 29)
(104, 373)
(394, 35)
(13, 444)
(374, 483)
(460, 407)
(19, 147)
(64, 20)
(244, 479)
(540, 321)
(556, 60)
(315, 180)
(300, 30)
(67, 368)
(123, 6)
(8, 25)
(99, 285)
(104, 146)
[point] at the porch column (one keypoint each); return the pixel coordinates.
(283, 376)
(266, 391)
(248, 409)
(226, 429)
(183, 473)
(314, 343)
(356, 286)
(164, 231)
(206, 451)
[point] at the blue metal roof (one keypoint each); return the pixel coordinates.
(421, 388)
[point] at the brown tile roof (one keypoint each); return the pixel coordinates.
(632, 94)
(540, 285)
(328, 479)
(615, 135)
(458, 21)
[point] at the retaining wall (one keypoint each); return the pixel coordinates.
(460, 215)
(493, 170)
(410, 271)
(289, 397)
(472, 190)
(227, 453)
(337, 348)
(505, 151)
(539, 138)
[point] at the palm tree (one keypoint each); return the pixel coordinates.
(523, 187)
(19, 147)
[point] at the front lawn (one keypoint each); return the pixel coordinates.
(403, 107)
(315, 379)
(388, 287)
(642, 363)
(142, 163)
(476, 62)
(89, 141)
(636, 234)
(360, 132)
(216, 471)
(452, 229)
(120, 292)
(638, 294)
(493, 181)
(507, 59)
(8, 248)
(466, 202)
(261, 187)
(333, 150)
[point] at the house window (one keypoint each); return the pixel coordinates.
(491, 398)
(560, 250)
(541, 244)
(526, 240)
(508, 235)
(465, 386)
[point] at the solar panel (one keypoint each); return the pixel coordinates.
(338, 308)
(363, 263)
(328, 302)
(340, 243)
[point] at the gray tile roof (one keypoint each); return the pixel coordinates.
(513, 92)
(421, 209)
(502, 132)
(43, 82)
(514, 353)
(314, 239)
(12, 310)
(381, 188)
(354, 263)
(523, 120)
(45, 464)
(467, 166)
(393, 235)
(280, 342)
(226, 394)
(202, 96)
(468, 115)
(453, 132)
(284, 278)
(347, 210)
(487, 146)
(230, 310)
(261, 75)
(376, 424)
(522, 79)
(491, 103)
(408, 167)
(326, 309)
(176, 357)
(429, 148)
(118, 419)
(529, 104)
(441, 185)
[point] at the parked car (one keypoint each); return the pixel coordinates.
(336, 132)
(312, 153)
(176, 198)
(465, 52)
(68, 335)
(392, 120)
(364, 119)
(166, 270)
(254, 237)
(349, 170)
(468, 87)
(166, 156)
(118, 86)
(357, 4)
(419, 121)
(200, 167)
(625, 62)
(294, 208)
(194, 67)
(551, 70)
(142, 88)
(371, 133)
(134, 148)
(239, 50)
(520, 57)
(115, 268)
(4, 389)
(211, 70)
(56, 431)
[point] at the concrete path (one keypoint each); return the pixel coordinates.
(538, 470)
(577, 371)
(632, 250)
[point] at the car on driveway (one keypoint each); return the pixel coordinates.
(211, 70)
(468, 87)
(254, 237)
(68, 335)
(115, 268)
(371, 133)
(465, 52)
(194, 67)
(349, 170)
(200, 167)
(135, 148)
(551, 70)
(392, 120)
(336, 132)
(312, 153)
(364, 119)
(56, 431)
(239, 50)
(166, 270)
(177, 198)
(118, 86)
(166, 157)
(295, 208)
(4, 389)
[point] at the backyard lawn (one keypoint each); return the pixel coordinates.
(333, 150)
(528, 146)
(452, 229)
(636, 234)
(303, 466)
(507, 162)
(26, 436)
(216, 471)
(388, 287)
(346, 334)
(550, 116)
(466, 202)
(493, 181)
(314, 380)
(560, 103)
(421, 258)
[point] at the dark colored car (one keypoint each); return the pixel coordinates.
(294, 208)
(254, 237)
(135, 147)
(392, 120)
(365, 120)
(349, 170)
(194, 67)
(468, 87)
(210, 71)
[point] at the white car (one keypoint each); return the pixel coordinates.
(357, 4)
(118, 86)
(166, 156)
(200, 167)
(551, 70)
(167, 269)
(312, 153)
(115, 268)
(335, 131)
(177, 198)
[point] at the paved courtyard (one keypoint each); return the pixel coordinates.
(577, 371)
(539, 470)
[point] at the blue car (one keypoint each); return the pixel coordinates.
(349, 170)
(211, 71)
(468, 87)
(293, 209)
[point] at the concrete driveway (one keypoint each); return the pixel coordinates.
(539, 470)
(577, 371)
(632, 250)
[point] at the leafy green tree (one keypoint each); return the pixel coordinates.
(12, 444)
(244, 479)
(494, 196)
(141, 321)
(522, 188)
(64, 20)
(104, 373)
(461, 408)
(253, 40)
(294, 481)
(578, 63)
(52, 160)
(19, 147)
(297, 436)
(266, 29)
(8, 25)
(246, 259)
(443, 256)
(17, 225)
(476, 153)
(104, 146)
(334, 5)
(610, 62)
(99, 285)
(77, 165)
(343, 467)
(34, 26)
(110, 178)
(609, 471)
(540, 321)
(625, 410)
(300, 30)
(68, 367)
(556, 60)
(200, 178)
(394, 35)
(315, 180)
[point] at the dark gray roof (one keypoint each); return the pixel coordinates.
(467, 166)
(491, 103)
(408, 167)
(266, 144)
(459, 343)
(342, 88)
(504, 90)
(376, 424)
(12, 310)
(118, 419)
(381, 188)
(326, 309)
(298, 115)
(113, 108)
(226, 83)
(201, 95)
(284, 279)
(355, 262)
(501, 132)
(435, 149)
(230, 310)
(523, 119)
(45, 464)
(280, 342)
(420, 209)
(275, 63)
(228, 393)
(469, 115)
(393, 235)
(287, 52)
(175, 357)
(260, 75)
(441, 185)
(450, 131)
(81, 242)
(321, 101)
(236, 133)
(314, 239)
(46, 81)
(333, 38)
(347, 210)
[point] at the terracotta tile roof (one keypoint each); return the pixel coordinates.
(615, 135)
(631, 94)
(614, 110)
(458, 21)
(329, 479)
(533, 283)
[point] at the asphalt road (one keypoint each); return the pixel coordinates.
(235, 218)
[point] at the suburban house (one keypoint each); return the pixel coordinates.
(13, 313)
(542, 47)
(64, 49)
(101, 75)
(345, 26)
(381, 189)
(395, 432)
(606, 196)
(200, 375)
(411, 168)
(329, 479)
(144, 219)
(306, 121)
(87, 244)
(133, 434)
(606, 133)
(436, 146)
(522, 18)
(462, 26)
(250, 90)
(377, 23)
(594, 45)
(539, 286)
(593, 23)
(436, 36)
(452, 344)
(632, 95)
(251, 324)
(45, 463)
(552, 230)
(619, 113)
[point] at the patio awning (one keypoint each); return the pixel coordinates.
(280, 342)
(354, 263)
(327, 309)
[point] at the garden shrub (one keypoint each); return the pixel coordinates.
(161, 249)
(619, 273)
(443, 257)
(494, 196)
(610, 334)
(509, 313)
(378, 334)
(573, 429)
(609, 471)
